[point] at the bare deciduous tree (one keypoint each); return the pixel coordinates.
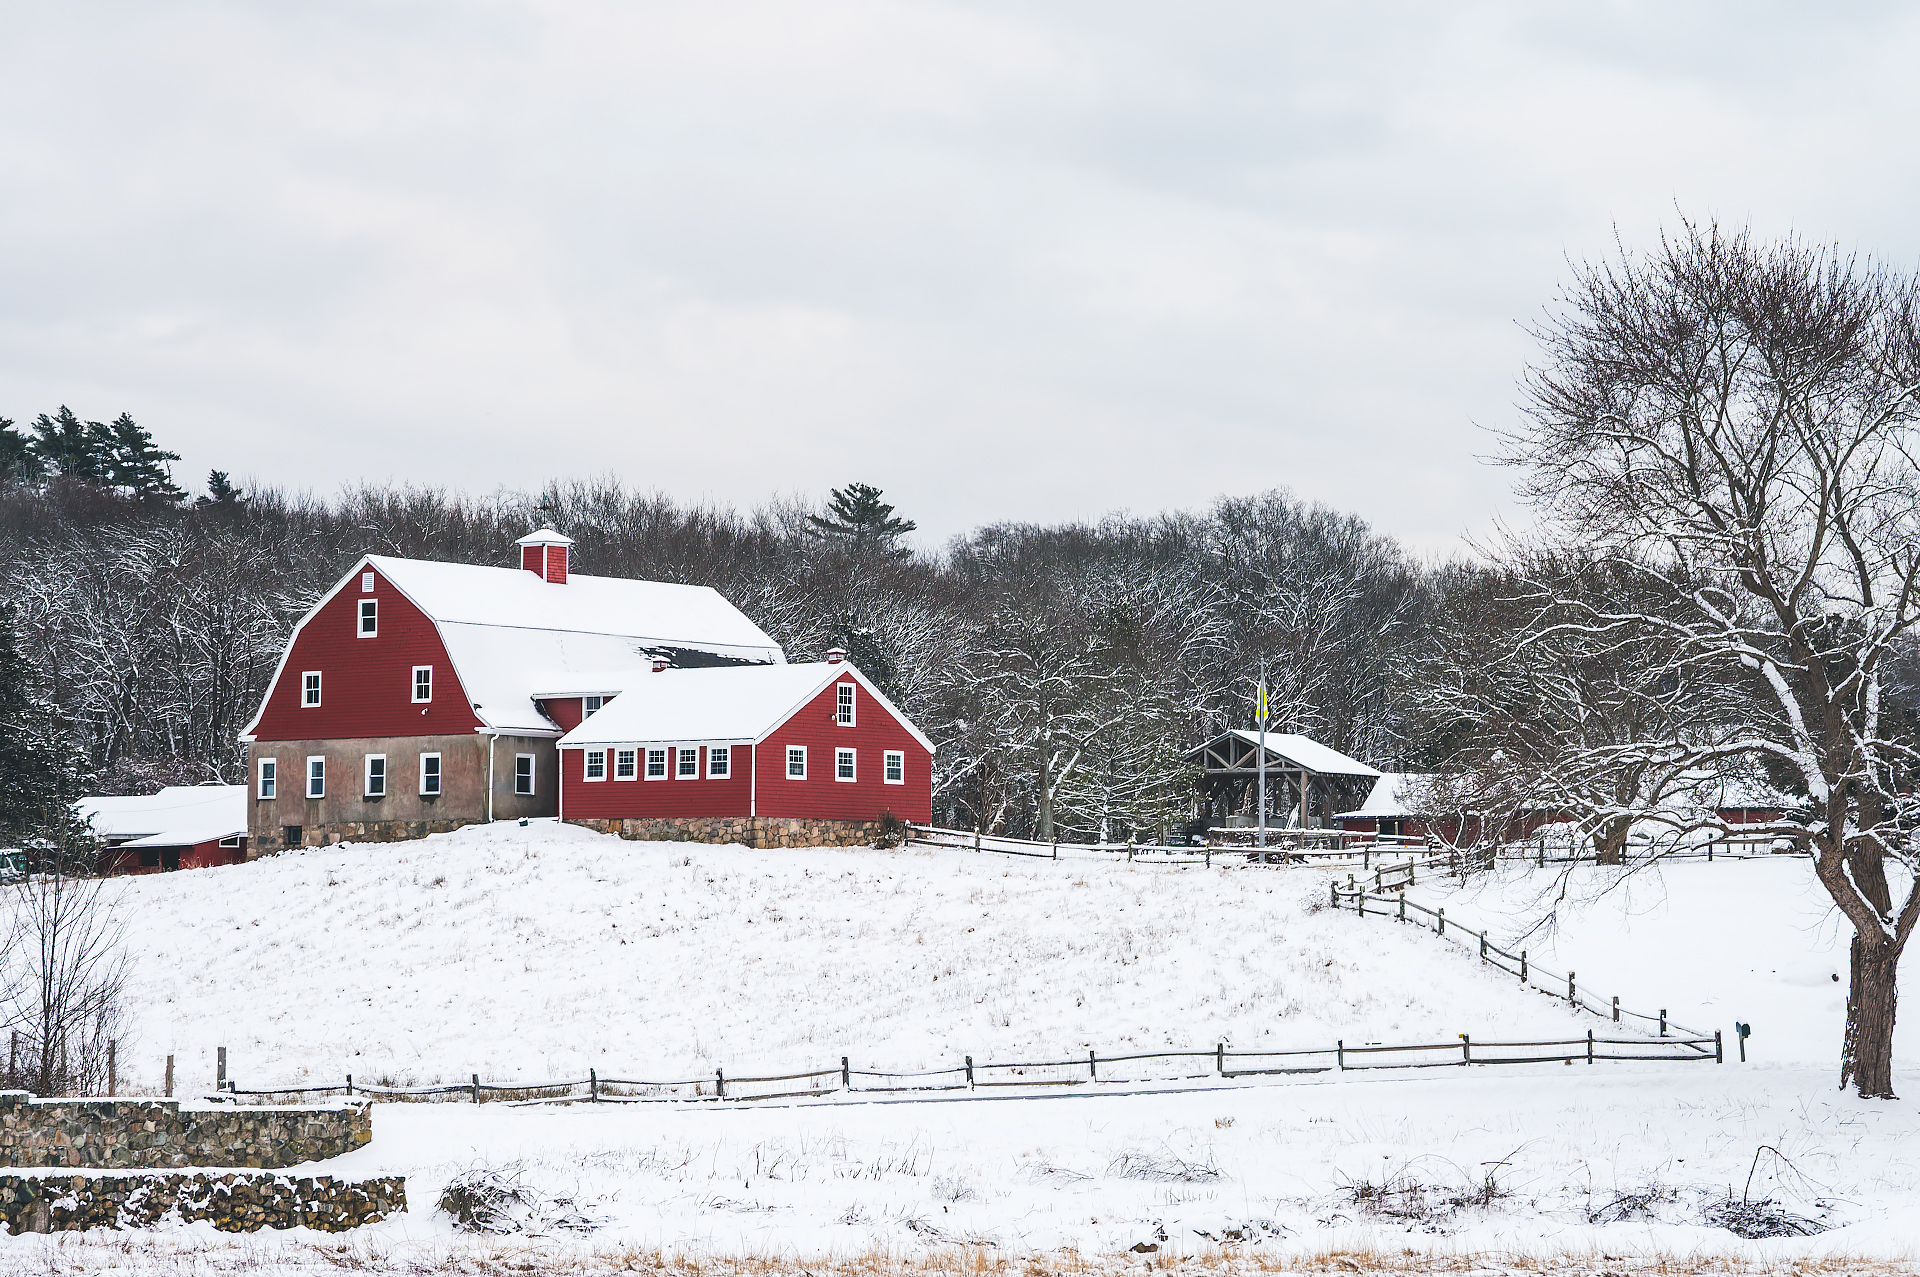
(66, 970)
(1733, 423)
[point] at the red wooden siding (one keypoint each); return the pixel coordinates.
(549, 562)
(201, 855)
(875, 731)
(564, 710)
(820, 796)
(612, 799)
(366, 686)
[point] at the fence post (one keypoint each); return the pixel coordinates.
(1483, 945)
(1209, 855)
(1541, 847)
(1403, 906)
(169, 1077)
(220, 1077)
(1366, 857)
(593, 1086)
(720, 1084)
(846, 1075)
(1340, 1053)
(113, 1069)
(1333, 889)
(1589, 1046)
(1523, 966)
(1093, 1067)
(1441, 925)
(349, 1084)
(1360, 902)
(1571, 995)
(1220, 1058)
(1056, 849)
(476, 1088)
(1663, 1022)
(969, 1070)
(1466, 1049)
(976, 835)
(1616, 1008)
(1717, 1057)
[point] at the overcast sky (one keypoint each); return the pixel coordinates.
(1028, 261)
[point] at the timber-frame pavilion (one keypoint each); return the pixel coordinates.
(1307, 782)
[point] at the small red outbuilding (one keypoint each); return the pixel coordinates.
(767, 755)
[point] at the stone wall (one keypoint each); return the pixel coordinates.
(157, 1133)
(751, 831)
(273, 838)
(236, 1202)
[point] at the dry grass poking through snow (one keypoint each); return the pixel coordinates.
(196, 1254)
(532, 954)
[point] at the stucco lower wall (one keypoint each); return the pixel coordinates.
(750, 831)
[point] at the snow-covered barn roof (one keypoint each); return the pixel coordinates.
(1288, 749)
(1390, 797)
(177, 816)
(725, 704)
(511, 634)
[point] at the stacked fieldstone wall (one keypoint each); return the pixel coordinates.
(236, 1202)
(750, 831)
(117, 1134)
(271, 838)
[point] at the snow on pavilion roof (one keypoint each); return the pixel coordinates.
(507, 629)
(177, 816)
(1301, 752)
(1388, 797)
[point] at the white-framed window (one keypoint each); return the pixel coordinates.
(843, 705)
(269, 786)
(230, 841)
(590, 705)
(429, 773)
(687, 763)
(523, 772)
(796, 762)
(656, 764)
(376, 775)
(893, 767)
(422, 684)
(843, 764)
(625, 764)
(316, 776)
(719, 761)
(369, 618)
(366, 583)
(310, 689)
(596, 765)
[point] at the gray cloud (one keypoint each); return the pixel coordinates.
(1007, 261)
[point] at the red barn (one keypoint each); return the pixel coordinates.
(181, 827)
(418, 696)
(778, 755)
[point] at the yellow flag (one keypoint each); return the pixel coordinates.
(1260, 704)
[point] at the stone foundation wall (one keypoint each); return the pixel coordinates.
(269, 838)
(235, 1202)
(156, 1133)
(751, 831)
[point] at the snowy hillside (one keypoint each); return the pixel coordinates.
(530, 953)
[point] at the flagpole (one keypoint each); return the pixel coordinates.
(1260, 718)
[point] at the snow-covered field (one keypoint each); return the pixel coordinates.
(527, 953)
(535, 953)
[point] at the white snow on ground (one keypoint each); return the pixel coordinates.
(530, 952)
(1753, 940)
(535, 953)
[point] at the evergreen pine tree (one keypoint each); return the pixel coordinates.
(861, 523)
(71, 447)
(135, 464)
(221, 493)
(18, 461)
(39, 781)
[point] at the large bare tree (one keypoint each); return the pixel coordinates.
(1733, 422)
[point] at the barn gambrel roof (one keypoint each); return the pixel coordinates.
(508, 632)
